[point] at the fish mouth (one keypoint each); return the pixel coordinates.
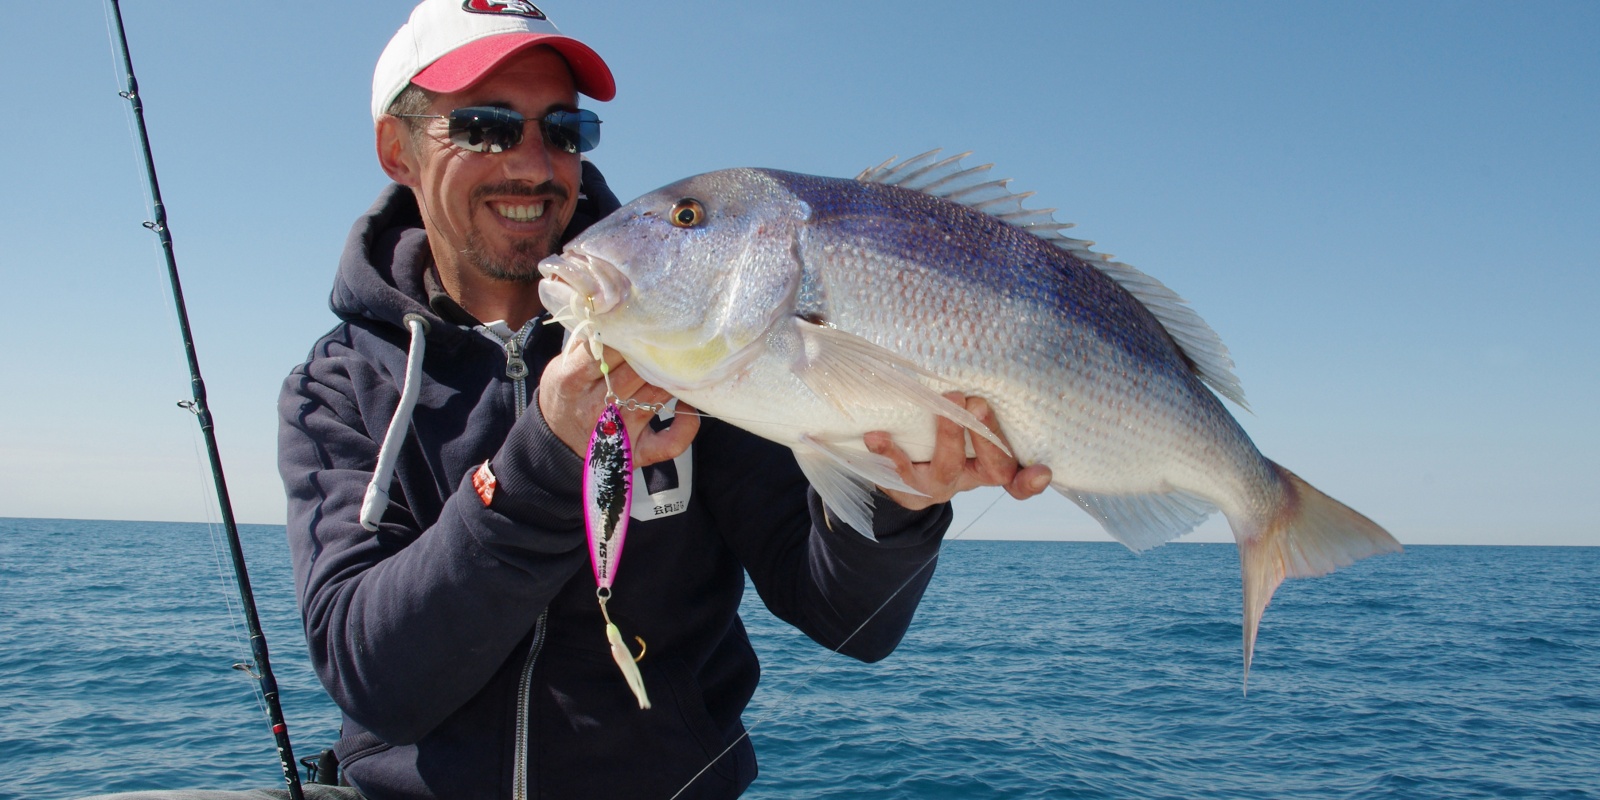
(575, 283)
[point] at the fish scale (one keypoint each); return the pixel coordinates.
(1041, 366)
(811, 310)
(973, 247)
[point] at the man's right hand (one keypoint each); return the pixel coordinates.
(572, 393)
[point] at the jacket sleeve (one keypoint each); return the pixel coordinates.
(847, 592)
(407, 623)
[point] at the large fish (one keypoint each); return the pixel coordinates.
(810, 310)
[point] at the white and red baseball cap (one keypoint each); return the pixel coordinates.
(449, 45)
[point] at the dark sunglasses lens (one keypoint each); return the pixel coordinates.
(573, 131)
(485, 129)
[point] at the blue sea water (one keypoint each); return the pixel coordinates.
(1048, 670)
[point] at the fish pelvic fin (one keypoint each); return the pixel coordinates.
(1309, 534)
(838, 478)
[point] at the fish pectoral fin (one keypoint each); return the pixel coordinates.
(843, 479)
(851, 372)
(1143, 521)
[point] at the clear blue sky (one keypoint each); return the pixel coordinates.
(1389, 211)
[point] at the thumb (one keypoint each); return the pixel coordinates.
(654, 447)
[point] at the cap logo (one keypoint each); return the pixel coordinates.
(520, 8)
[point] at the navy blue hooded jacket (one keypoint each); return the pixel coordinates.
(463, 641)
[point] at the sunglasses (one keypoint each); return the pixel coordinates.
(488, 129)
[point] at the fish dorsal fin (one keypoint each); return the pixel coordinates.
(972, 186)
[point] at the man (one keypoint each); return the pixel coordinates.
(438, 544)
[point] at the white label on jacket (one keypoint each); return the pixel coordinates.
(662, 490)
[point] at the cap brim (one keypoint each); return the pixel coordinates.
(470, 63)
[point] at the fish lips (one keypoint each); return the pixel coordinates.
(577, 280)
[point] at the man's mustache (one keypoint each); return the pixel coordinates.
(549, 189)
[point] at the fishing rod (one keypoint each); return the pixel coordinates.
(262, 670)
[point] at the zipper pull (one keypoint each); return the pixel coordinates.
(516, 368)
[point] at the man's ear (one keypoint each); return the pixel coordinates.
(394, 151)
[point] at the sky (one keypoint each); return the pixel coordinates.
(1390, 212)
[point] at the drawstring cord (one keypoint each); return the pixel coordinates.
(376, 500)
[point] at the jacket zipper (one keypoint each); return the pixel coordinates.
(519, 778)
(516, 367)
(517, 371)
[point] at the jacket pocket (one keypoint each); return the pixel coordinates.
(594, 740)
(690, 706)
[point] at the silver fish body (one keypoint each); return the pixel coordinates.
(811, 310)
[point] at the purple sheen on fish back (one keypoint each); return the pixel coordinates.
(607, 493)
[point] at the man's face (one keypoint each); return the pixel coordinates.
(497, 213)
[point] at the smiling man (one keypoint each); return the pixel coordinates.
(429, 448)
(490, 220)
(458, 627)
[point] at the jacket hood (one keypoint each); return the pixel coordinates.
(386, 255)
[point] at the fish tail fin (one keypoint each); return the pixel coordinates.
(1308, 534)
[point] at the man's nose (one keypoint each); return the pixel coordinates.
(532, 159)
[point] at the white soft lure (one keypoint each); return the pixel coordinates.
(625, 661)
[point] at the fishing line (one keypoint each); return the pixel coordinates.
(217, 546)
(127, 112)
(262, 668)
(237, 624)
(781, 704)
(586, 323)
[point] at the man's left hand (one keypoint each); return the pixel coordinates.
(949, 472)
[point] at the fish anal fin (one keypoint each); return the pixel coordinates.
(1310, 534)
(1146, 520)
(851, 372)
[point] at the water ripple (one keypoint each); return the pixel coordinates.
(1034, 670)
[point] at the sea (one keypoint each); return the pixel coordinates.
(1033, 670)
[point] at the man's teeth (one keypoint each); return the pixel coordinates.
(520, 213)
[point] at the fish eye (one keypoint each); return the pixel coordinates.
(687, 213)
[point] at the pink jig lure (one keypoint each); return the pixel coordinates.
(607, 499)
